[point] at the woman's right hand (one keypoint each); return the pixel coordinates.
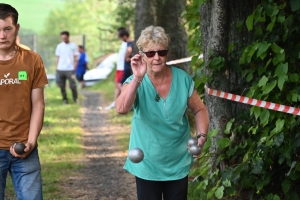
(138, 66)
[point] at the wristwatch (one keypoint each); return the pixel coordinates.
(202, 135)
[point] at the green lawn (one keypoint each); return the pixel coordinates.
(59, 144)
(32, 13)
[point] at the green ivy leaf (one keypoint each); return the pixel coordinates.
(263, 81)
(270, 196)
(249, 77)
(295, 5)
(281, 18)
(276, 48)
(264, 116)
(257, 167)
(263, 47)
(286, 184)
(292, 167)
(228, 126)
(294, 77)
(278, 139)
(213, 133)
(270, 26)
(194, 60)
(269, 87)
(249, 22)
(203, 185)
(281, 81)
(223, 143)
(226, 183)
(219, 192)
(279, 126)
(276, 197)
(230, 47)
(281, 69)
(280, 57)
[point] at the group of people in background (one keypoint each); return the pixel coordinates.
(72, 63)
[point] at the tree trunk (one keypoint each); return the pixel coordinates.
(168, 16)
(218, 21)
(145, 15)
(170, 19)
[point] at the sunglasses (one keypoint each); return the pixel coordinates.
(151, 54)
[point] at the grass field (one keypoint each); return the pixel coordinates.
(32, 13)
(59, 144)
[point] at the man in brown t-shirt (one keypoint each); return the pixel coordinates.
(22, 79)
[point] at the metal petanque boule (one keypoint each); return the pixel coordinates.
(195, 150)
(135, 155)
(19, 148)
(192, 141)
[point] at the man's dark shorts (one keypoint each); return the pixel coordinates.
(79, 77)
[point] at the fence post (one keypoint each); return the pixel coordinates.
(34, 42)
(83, 41)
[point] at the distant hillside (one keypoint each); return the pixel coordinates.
(32, 13)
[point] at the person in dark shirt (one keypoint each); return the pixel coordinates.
(82, 65)
(124, 35)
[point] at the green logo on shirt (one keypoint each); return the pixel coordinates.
(22, 75)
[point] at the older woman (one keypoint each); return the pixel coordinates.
(160, 95)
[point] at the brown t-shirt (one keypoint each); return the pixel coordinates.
(18, 76)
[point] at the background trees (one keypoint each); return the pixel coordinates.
(250, 48)
(168, 15)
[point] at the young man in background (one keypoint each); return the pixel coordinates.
(66, 62)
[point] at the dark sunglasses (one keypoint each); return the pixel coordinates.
(151, 54)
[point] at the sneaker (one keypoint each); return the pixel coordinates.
(112, 105)
(65, 101)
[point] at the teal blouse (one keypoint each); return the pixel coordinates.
(161, 130)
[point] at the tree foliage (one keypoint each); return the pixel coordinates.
(260, 147)
(92, 18)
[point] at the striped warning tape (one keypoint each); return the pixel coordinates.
(254, 102)
(182, 60)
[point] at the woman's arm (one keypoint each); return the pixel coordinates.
(127, 97)
(201, 115)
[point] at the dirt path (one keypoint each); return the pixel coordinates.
(103, 176)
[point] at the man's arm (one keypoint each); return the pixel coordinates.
(75, 61)
(36, 121)
(56, 63)
(128, 54)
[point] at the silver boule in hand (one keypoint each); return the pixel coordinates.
(135, 155)
(192, 141)
(195, 150)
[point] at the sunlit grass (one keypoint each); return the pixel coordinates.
(59, 144)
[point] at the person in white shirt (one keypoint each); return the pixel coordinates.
(66, 62)
(120, 69)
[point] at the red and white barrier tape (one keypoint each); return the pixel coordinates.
(254, 102)
(182, 60)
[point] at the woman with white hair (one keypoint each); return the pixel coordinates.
(160, 95)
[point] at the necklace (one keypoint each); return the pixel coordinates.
(14, 52)
(157, 97)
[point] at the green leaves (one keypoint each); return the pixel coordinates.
(249, 22)
(217, 63)
(223, 143)
(295, 5)
(219, 192)
(263, 81)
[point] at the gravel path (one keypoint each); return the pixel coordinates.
(103, 176)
